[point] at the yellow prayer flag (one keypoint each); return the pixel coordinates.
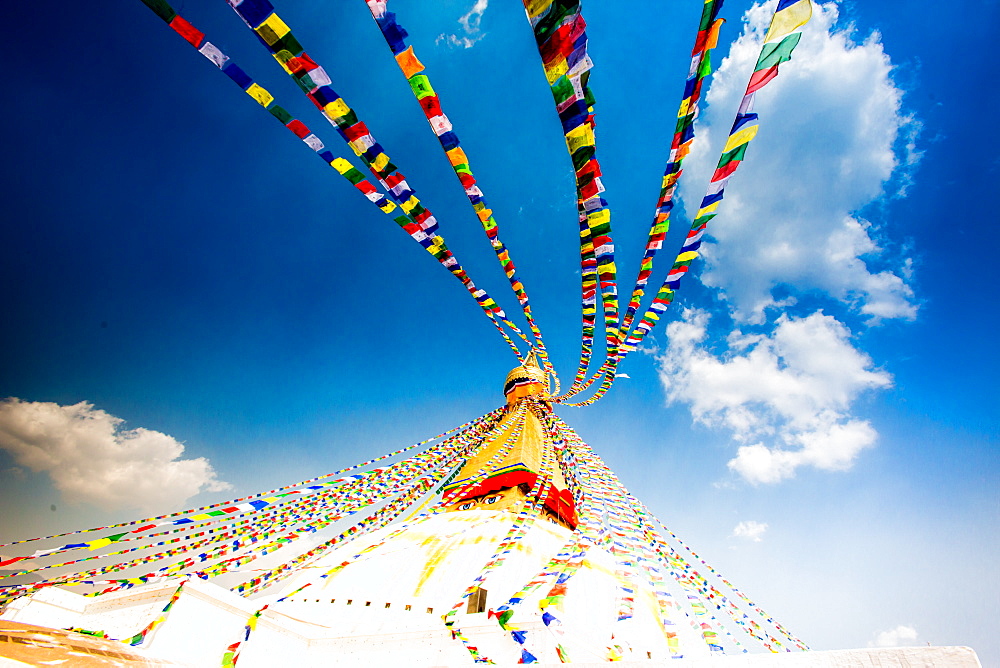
(408, 62)
(336, 109)
(341, 165)
(260, 94)
(598, 217)
(582, 135)
(789, 19)
(272, 29)
(409, 204)
(708, 209)
(380, 162)
(740, 138)
(98, 544)
(555, 69)
(536, 7)
(686, 255)
(283, 56)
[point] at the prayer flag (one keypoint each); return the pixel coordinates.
(408, 62)
(790, 15)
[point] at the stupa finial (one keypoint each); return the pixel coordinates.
(528, 379)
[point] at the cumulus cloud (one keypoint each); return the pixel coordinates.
(833, 137)
(751, 530)
(91, 458)
(470, 27)
(900, 636)
(794, 387)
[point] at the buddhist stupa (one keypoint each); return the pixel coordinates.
(527, 552)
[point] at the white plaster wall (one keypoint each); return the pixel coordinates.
(899, 657)
(120, 614)
(428, 567)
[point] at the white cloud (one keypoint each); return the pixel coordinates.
(91, 458)
(751, 530)
(900, 636)
(832, 135)
(470, 25)
(794, 387)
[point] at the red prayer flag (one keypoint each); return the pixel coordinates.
(300, 63)
(299, 128)
(725, 170)
(356, 131)
(187, 31)
(760, 79)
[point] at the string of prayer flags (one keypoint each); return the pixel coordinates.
(418, 221)
(701, 66)
(628, 522)
(776, 49)
(430, 103)
(325, 503)
(150, 522)
(561, 38)
(441, 461)
(260, 94)
(313, 79)
(380, 518)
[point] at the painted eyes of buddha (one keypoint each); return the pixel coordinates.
(490, 500)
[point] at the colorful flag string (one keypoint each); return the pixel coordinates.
(789, 16)
(560, 34)
(414, 219)
(430, 103)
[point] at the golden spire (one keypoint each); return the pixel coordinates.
(526, 380)
(495, 480)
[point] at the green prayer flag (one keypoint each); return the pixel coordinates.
(347, 120)
(582, 156)
(280, 113)
(421, 86)
(161, 9)
(772, 54)
(705, 67)
(562, 89)
(736, 154)
(287, 43)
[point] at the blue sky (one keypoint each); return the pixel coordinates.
(172, 257)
